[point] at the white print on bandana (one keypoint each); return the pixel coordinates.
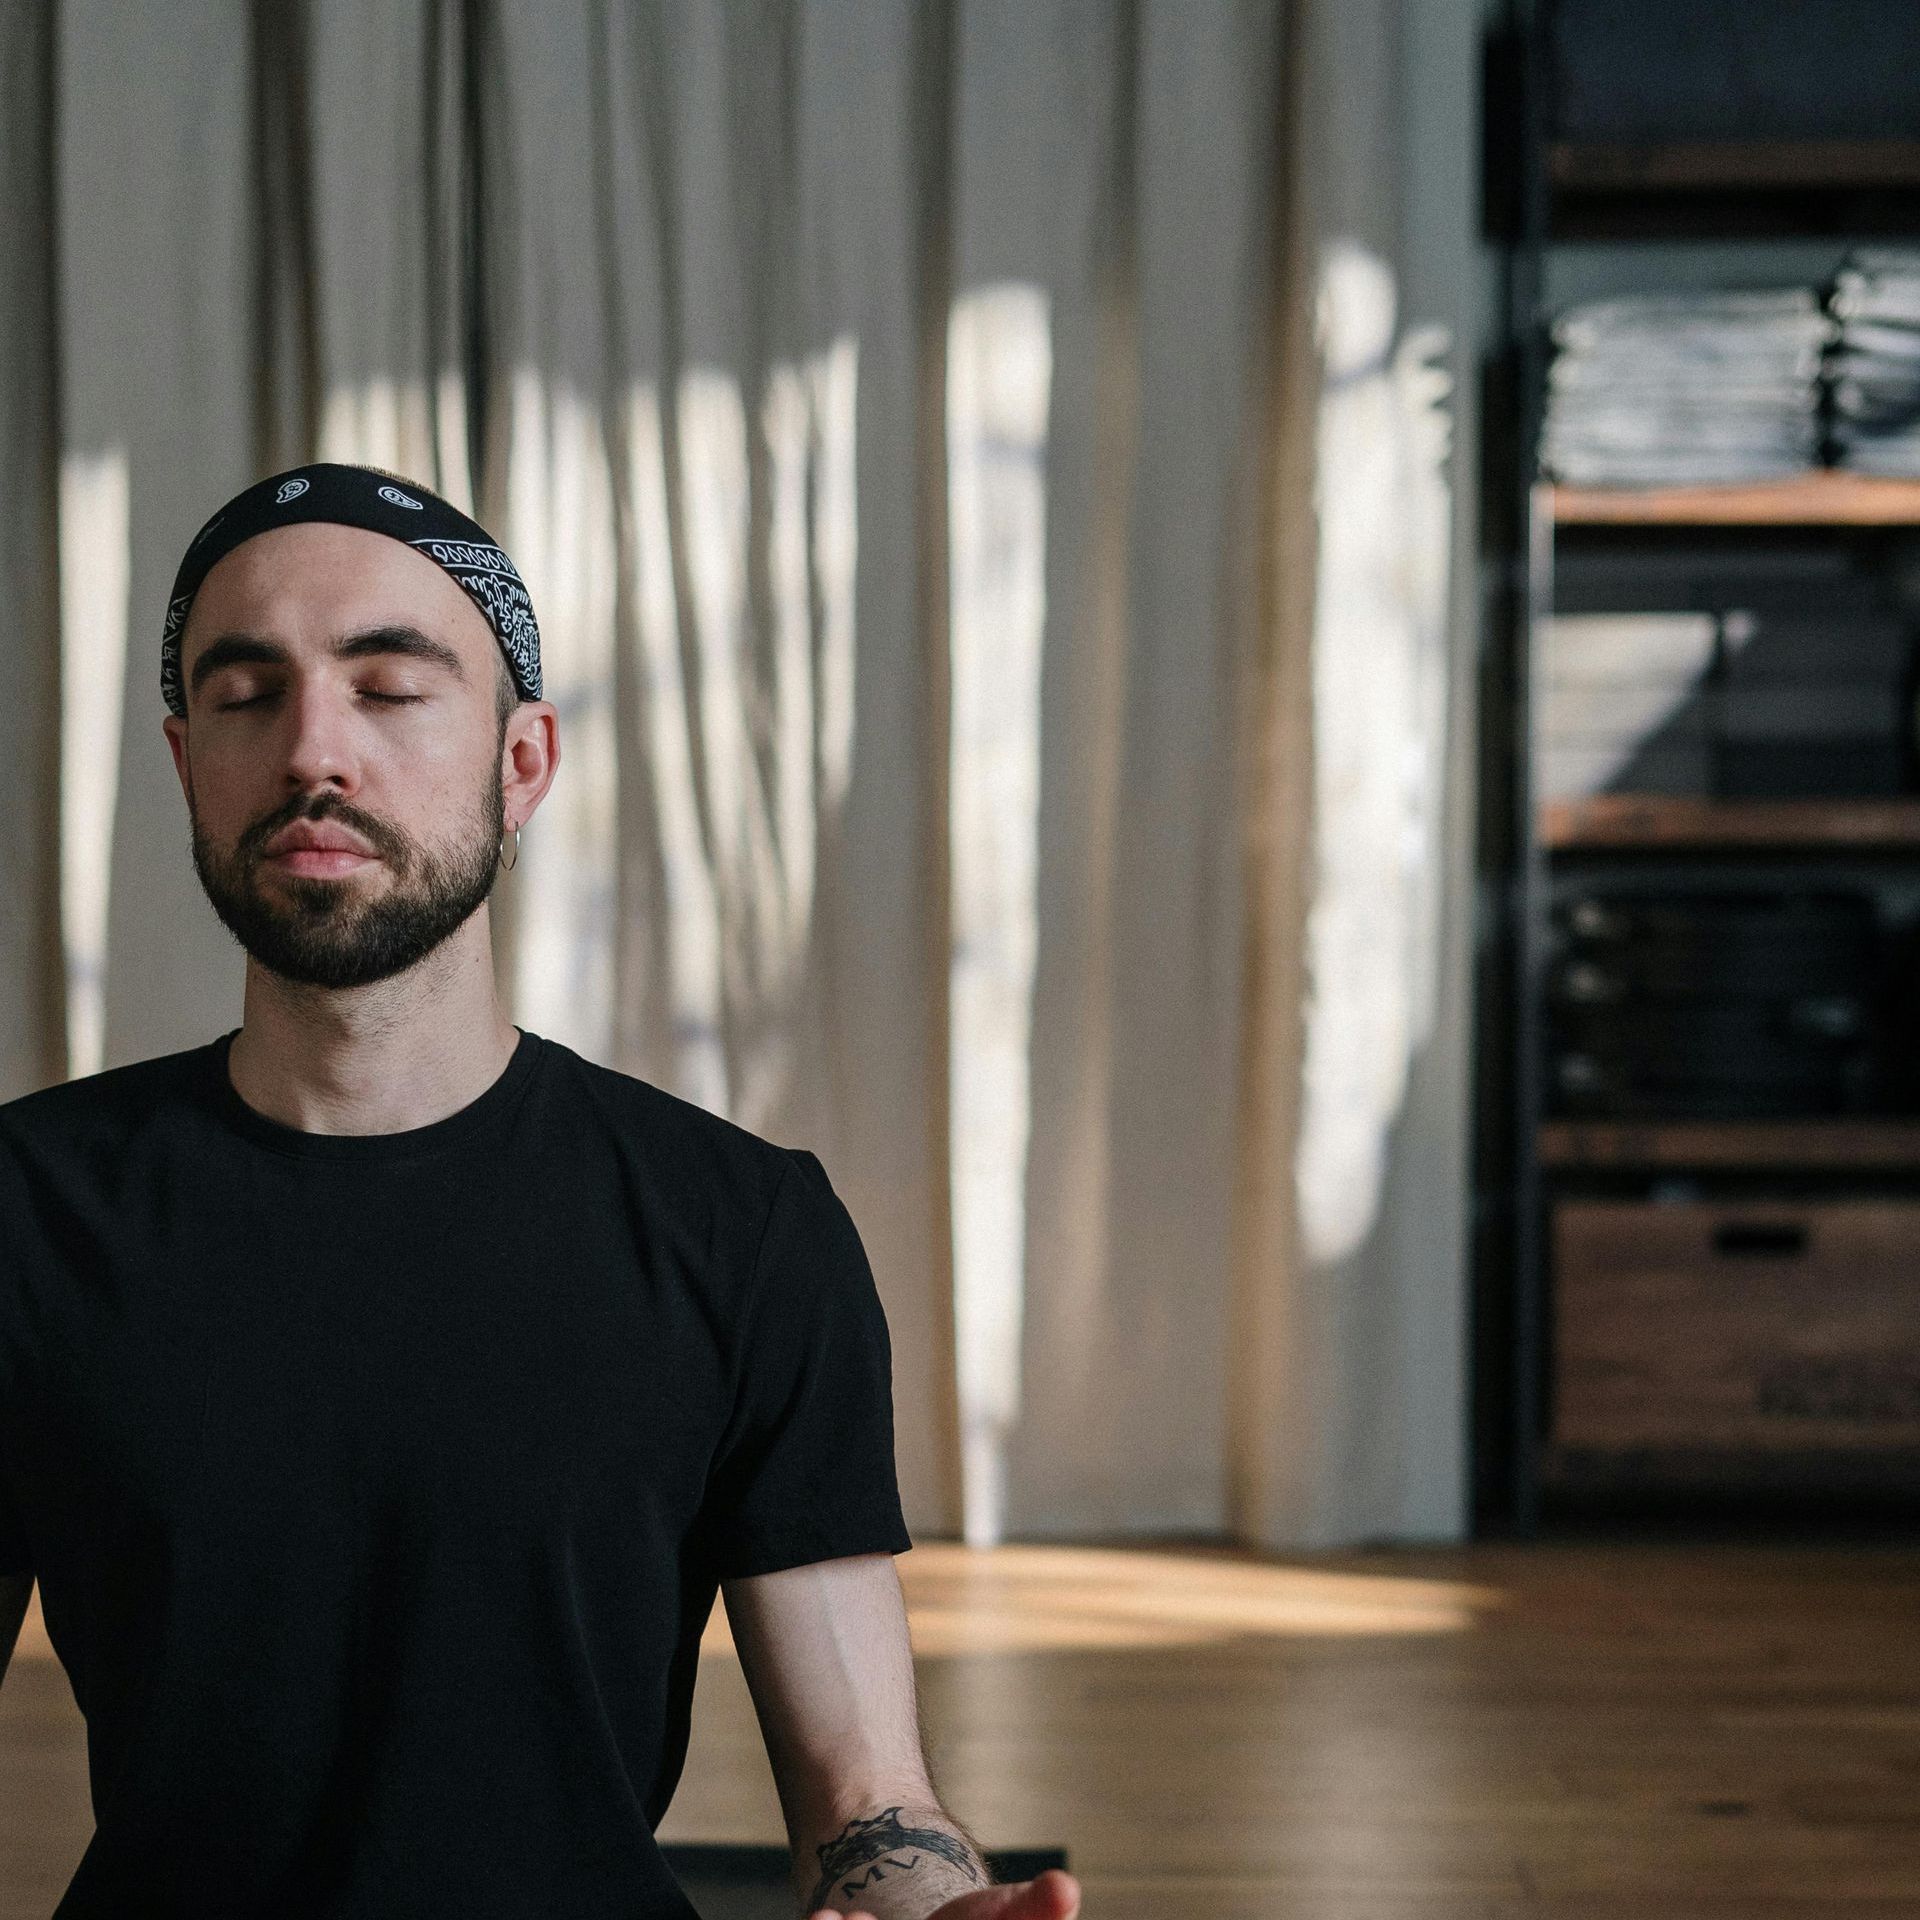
(497, 589)
(290, 490)
(399, 499)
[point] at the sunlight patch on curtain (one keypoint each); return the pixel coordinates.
(1379, 693)
(830, 385)
(95, 562)
(738, 725)
(747, 702)
(560, 531)
(999, 380)
(687, 918)
(405, 426)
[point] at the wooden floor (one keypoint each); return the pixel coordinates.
(1617, 1733)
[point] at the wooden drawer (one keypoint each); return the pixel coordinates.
(1771, 1328)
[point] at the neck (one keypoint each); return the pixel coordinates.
(384, 1058)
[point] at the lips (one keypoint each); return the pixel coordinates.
(318, 840)
(315, 847)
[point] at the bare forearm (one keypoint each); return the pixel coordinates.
(896, 1862)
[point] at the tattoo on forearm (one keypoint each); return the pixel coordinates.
(883, 1845)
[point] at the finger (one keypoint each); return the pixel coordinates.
(1060, 1892)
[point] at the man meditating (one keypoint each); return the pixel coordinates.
(386, 1391)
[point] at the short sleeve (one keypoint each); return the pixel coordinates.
(14, 1557)
(804, 1470)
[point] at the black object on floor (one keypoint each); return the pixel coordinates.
(750, 1883)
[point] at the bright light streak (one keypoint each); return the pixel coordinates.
(94, 574)
(560, 530)
(1379, 689)
(999, 379)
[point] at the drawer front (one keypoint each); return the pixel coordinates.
(1770, 1328)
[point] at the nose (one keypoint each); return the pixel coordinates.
(320, 745)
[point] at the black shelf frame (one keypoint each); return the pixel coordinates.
(1509, 1331)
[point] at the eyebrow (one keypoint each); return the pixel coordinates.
(253, 649)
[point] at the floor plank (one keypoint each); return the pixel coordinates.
(1550, 1733)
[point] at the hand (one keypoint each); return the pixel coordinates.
(1053, 1896)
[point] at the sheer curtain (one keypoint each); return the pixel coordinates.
(987, 501)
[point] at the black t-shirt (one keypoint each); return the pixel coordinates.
(378, 1486)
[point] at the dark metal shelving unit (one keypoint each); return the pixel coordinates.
(1540, 195)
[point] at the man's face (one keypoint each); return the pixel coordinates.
(342, 754)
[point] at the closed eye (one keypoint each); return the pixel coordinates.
(366, 693)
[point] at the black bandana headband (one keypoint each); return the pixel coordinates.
(362, 497)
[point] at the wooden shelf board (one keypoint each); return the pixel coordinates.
(1826, 497)
(1681, 822)
(1847, 1145)
(1692, 166)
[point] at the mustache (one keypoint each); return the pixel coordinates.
(324, 806)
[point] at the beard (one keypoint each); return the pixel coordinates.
(327, 932)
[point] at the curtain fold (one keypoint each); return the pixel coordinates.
(985, 490)
(158, 421)
(33, 998)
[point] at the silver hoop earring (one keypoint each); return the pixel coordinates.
(506, 865)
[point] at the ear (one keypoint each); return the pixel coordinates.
(529, 759)
(175, 729)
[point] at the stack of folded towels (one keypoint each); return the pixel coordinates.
(1621, 704)
(1687, 389)
(1874, 370)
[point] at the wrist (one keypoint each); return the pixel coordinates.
(896, 1860)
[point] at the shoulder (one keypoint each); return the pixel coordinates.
(100, 1112)
(721, 1205)
(681, 1144)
